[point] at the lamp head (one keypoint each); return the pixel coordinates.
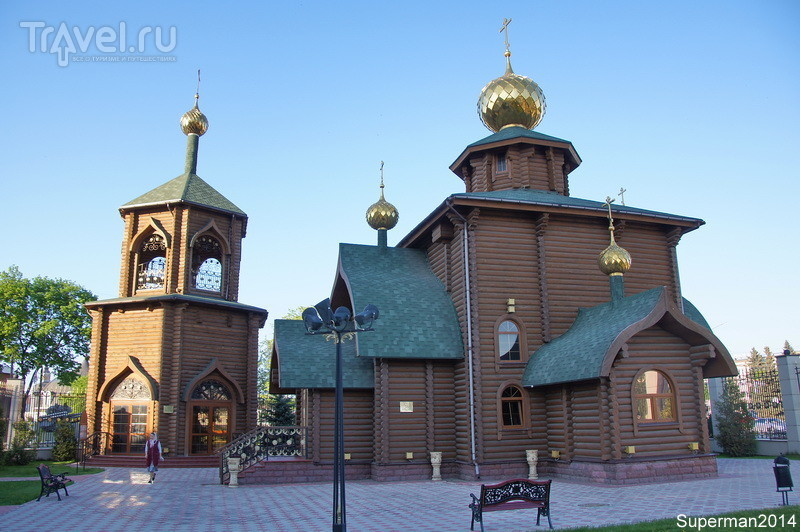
(367, 316)
(341, 317)
(311, 320)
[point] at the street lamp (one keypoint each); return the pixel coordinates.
(338, 326)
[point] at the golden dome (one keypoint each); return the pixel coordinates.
(511, 100)
(614, 260)
(382, 214)
(193, 121)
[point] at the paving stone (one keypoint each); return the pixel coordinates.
(192, 500)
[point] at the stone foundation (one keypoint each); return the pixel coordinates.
(618, 472)
(632, 471)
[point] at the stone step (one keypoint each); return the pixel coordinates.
(138, 461)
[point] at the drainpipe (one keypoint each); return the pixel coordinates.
(468, 301)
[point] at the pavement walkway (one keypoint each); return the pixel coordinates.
(193, 500)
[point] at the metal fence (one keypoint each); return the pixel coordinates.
(762, 392)
(43, 409)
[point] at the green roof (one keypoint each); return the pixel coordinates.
(529, 196)
(516, 132)
(417, 316)
(181, 298)
(587, 349)
(309, 361)
(186, 188)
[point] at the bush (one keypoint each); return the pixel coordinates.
(18, 453)
(65, 443)
(735, 430)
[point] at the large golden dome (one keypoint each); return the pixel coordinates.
(382, 214)
(511, 100)
(614, 260)
(193, 121)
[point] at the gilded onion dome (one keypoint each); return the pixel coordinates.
(614, 260)
(193, 121)
(382, 214)
(511, 100)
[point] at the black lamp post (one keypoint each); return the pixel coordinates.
(339, 326)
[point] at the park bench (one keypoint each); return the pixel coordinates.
(512, 495)
(51, 483)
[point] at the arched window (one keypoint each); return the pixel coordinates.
(207, 264)
(212, 414)
(654, 398)
(511, 407)
(508, 347)
(152, 263)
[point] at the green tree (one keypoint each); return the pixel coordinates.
(735, 425)
(280, 410)
(20, 453)
(79, 385)
(755, 361)
(66, 445)
(43, 324)
(769, 359)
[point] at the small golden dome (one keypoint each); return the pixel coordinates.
(511, 100)
(382, 214)
(614, 260)
(193, 121)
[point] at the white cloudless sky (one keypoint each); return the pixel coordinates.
(693, 107)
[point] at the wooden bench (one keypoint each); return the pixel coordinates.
(512, 495)
(52, 483)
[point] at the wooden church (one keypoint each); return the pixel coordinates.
(514, 317)
(175, 353)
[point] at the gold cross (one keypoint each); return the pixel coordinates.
(197, 92)
(621, 194)
(608, 203)
(381, 174)
(506, 22)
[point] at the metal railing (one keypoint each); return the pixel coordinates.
(261, 443)
(94, 444)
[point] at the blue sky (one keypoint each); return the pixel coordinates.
(691, 106)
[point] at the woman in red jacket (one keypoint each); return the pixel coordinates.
(152, 451)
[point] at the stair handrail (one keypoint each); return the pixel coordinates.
(94, 444)
(260, 443)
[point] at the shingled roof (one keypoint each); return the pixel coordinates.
(588, 349)
(417, 316)
(306, 361)
(553, 199)
(186, 188)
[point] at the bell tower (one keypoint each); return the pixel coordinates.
(176, 353)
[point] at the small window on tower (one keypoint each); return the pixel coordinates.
(152, 263)
(501, 163)
(207, 264)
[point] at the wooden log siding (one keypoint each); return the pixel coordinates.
(572, 247)
(456, 274)
(658, 349)
(587, 431)
(407, 430)
(358, 412)
(442, 407)
(556, 420)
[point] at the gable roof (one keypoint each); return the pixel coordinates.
(309, 361)
(186, 188)
(588, 349)
(417, 316)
